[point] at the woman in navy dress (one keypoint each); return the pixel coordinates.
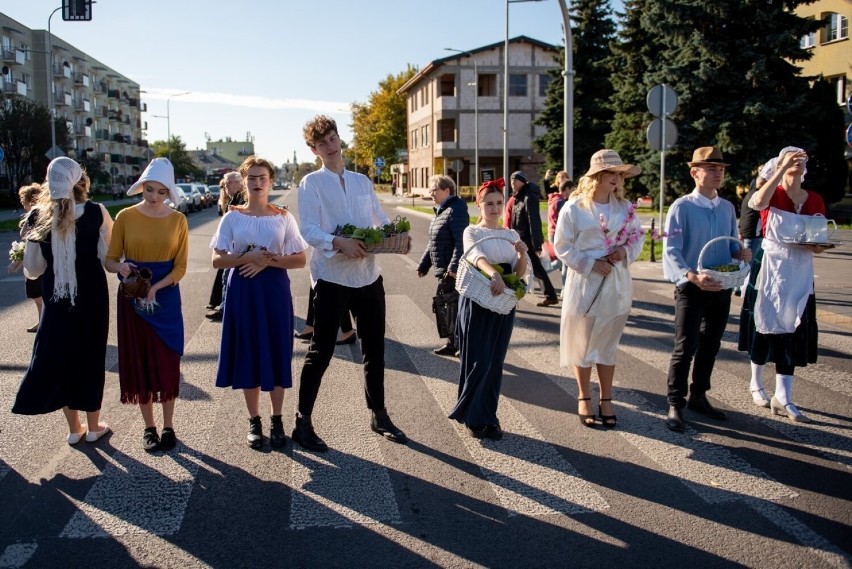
(260, 242)
(67, 245)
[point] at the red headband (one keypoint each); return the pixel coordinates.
(498, 183)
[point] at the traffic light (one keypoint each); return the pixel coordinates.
(77, 10)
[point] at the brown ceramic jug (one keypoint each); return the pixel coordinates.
(137, 284)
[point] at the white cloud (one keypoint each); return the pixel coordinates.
(249, 101)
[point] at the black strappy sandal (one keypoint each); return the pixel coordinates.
(608, 420)
(585, 420)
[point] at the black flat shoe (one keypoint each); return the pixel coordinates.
(494, 432)
(215, 315)
(477, 431)
(445, 350)
(701, 405)
(350, 340)
(674, 420)
(585, 420)
(277, 438)
(255, 434)
(382, 424)
(304, 336)
(609, 421)
(168, 440)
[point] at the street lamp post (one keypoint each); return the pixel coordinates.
(568, 94)
(506, 101)
(475, 114)
(51, 100)
(169, 120)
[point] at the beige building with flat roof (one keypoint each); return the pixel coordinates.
(100, 105)
(445, 97)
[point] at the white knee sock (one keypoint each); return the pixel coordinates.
(784, 388)
(756, 376)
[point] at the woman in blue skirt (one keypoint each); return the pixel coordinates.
(483, 334)
(260, 242)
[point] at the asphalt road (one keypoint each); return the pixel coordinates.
(755, 490)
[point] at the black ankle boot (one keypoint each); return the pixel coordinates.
(381, 423)
(255, 434)
(276, 432)
(305, 435)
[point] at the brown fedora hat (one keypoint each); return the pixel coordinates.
(610, 160)
(707, 155)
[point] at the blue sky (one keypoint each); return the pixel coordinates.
(268, 66)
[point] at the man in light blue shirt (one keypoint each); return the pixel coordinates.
(344, 277)
(701, 305)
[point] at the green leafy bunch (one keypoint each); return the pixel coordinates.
(511, 280)
(373, 235)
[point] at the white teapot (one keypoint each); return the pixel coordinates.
(815, 229)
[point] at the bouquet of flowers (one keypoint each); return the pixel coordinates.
(16, 253)
(625, 236)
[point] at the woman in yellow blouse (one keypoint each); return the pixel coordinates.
(150, 329)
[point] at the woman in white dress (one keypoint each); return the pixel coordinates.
(597, 237)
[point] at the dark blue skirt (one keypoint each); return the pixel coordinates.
(257, 332)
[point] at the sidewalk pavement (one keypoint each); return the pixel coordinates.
(833, 269)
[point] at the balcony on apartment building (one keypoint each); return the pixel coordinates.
(63, 100)
(82, 131)
(113, 94)
(81, 79)
(82, 106)
(62, 71)
(14, 56)
(15, 87)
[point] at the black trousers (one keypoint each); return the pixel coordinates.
(700, 321)
(331, 302)
(216, 291)
(345, 321)
(448, 284)
(540, 273)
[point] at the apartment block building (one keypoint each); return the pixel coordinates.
(445, 99)
(234, 150)
(100, 105)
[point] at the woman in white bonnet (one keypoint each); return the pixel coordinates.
(151, 235)
(778, 318)
(67, 245)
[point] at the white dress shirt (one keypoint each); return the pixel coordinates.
(325, 204)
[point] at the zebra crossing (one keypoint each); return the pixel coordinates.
(526, 475)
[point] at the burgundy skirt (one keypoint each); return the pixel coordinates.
(148, 371)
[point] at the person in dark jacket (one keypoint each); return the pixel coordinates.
(526, 220)
(445, 247)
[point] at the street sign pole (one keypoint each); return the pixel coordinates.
(662, 102)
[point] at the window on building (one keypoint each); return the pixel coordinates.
(487, 85)
(448, 85)
(414, 138)
(839, 88)
(544, 80)
(808, 40)
(517, 85)
(836, 27)
(424, 132)
(447, 130)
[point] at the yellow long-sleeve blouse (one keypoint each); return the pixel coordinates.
(151, 239)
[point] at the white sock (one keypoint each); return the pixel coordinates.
(784, 388)
(756, 376)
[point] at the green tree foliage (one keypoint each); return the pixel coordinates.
(176, 152)
(25, 139)
(729, 61)
(593, 33)
(379, 126)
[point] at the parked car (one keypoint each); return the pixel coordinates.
(183, 199)
(193, 195)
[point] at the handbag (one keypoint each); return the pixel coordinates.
(446, 309)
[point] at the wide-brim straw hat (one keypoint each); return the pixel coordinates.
(707, 155)
(610, 161)
(159, 170)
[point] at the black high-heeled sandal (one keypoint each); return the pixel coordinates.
(585, 420)
(608, 420)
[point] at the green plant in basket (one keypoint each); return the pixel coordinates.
(511, 280)
(374, 235)
(729, 268)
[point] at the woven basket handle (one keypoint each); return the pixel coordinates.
(707, 247)
(486, 238)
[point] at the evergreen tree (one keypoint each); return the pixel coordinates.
(593, 35)
(827, 169)
(729, 61)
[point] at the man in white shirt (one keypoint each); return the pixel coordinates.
(344, 277)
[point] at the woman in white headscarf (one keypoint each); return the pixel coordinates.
(778, 319)
(67, 245)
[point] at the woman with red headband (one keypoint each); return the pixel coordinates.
(484, 335)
